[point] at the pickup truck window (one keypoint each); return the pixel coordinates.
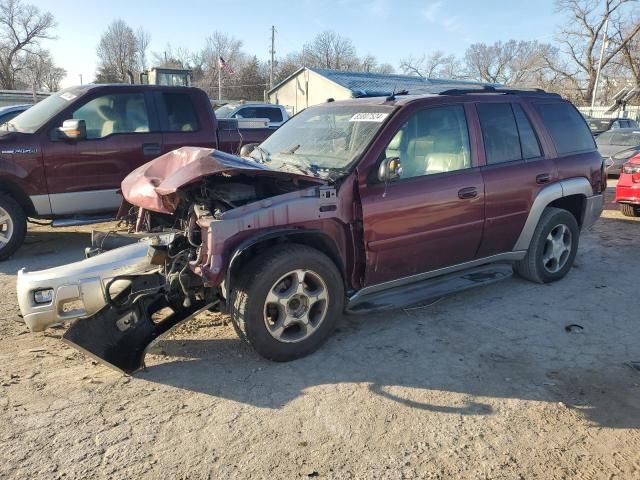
(32, 119)
(272, 113)
(114, 113)
(433, 140)
(181, 112)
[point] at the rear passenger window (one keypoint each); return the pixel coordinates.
(181, 113)
(528, 140)
(567, 127)
(499, 132)
(273, 114)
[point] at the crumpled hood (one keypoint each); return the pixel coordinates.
(145, 186)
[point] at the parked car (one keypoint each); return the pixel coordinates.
(357, 206)
(618, 146)
(628, 188)
(67, 155)
(600, 125)
(276, 114)
(10, 112)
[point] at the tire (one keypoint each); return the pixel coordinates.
(13, 226)
(629, 210)
(553, 247)
(268, 296)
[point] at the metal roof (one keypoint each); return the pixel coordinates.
(367, 84)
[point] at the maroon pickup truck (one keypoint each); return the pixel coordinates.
(353, 206)
(65, 157)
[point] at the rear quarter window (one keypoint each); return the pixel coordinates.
(568, 130)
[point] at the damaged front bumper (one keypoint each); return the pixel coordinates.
(77, 290)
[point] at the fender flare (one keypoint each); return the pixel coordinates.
(563, 188)
(243, 247)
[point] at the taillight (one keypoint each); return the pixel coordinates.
(631, 168)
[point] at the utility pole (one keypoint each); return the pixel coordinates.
(273, 54)
(602, 48)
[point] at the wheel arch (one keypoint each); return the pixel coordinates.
(569, 194)
(14, 191)
(247, 250)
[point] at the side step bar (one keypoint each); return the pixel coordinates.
(429, 289)
(76, 221)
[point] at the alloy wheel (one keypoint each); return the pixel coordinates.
(6, 227)
(557, 248)
(296, 306)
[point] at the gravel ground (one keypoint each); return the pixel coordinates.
(484, 384)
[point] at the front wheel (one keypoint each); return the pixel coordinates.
(13, 226)
(287, 301)
(553, 247)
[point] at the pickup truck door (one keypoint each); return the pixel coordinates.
(186, 119)
(433, 215)
(83, 176)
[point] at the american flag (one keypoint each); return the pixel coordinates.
(225, 66)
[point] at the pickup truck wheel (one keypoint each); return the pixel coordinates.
(553, 247)
(13, 226)
(287, 301)
(629, 210)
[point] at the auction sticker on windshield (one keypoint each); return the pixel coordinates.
(369, 117)
(68, 96)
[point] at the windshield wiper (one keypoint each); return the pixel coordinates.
(265, 156)
(291, 151)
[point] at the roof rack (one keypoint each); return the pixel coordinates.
(491, 89)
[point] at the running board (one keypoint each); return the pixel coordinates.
(76, 221)
(428, 290)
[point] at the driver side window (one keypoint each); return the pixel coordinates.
(433, 140)
(114, 113)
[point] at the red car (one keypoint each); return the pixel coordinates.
(628, 188)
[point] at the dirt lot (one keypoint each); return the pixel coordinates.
(484, 384)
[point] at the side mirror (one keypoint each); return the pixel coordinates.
(390, 169)
(246, 150)
(73, 130)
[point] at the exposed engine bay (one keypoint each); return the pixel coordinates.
(169, 264)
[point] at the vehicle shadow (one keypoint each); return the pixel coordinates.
(412, 359)
(46, 248)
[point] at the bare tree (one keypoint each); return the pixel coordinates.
(434, 65)
(509, 63)
(22, 27)
(627, 63)
(117, 52)
(581, 39)
(206, 69)
(173, 57)
(330, 50)
(143, 39)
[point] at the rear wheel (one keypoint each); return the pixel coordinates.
(629, 210)
(287, 301)
(553, 247)
(13, 226)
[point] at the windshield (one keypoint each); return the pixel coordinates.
(32, 119)
(624, 139)
(225, 112)
(324, 140)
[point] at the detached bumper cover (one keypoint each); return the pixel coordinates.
(78, 289)
(592, 210)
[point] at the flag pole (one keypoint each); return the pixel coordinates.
(219, 80)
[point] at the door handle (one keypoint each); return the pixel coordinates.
(543, 178)
(469, 192)
(151, 149)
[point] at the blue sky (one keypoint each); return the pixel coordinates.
(388, 29)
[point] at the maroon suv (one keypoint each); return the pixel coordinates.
(356, 206)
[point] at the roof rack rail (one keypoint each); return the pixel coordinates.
(491, 89)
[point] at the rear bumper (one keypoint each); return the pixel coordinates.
(628, 193)
(592, 210)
